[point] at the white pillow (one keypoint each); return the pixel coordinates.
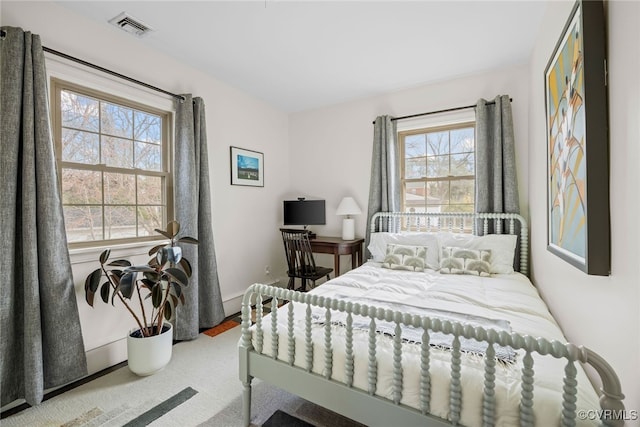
(379, 241)
(502, 247)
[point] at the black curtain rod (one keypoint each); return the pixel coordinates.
(113, 73)
(393, 119)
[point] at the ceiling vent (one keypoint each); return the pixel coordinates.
(130, 24)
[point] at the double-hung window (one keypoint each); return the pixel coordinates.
(438, 168)
(113, 164)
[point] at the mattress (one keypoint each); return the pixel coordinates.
(510, 297)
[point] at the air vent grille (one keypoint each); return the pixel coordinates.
(130, 24)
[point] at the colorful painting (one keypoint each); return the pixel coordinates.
(247, 167)
(567, 151)
(578, 217)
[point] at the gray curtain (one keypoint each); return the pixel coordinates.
(496, 180)
(41, 344)
(384, 187)
(203, 306)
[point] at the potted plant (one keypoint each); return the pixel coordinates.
(161, 280)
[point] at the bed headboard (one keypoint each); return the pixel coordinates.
(458, 222)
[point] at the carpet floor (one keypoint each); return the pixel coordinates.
(199, 387)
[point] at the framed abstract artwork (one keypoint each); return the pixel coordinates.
(247, 167)
(577, 142)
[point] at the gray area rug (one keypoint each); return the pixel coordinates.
(200, 386)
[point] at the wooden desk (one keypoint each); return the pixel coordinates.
(337, 247)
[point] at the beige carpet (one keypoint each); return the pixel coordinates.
(202, 374)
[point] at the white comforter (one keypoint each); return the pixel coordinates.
(510, 297)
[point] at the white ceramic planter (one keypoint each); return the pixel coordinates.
(150, 354)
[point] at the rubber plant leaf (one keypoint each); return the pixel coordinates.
(186, 266)
(162, 257)
(178, 274)
(115, 276)
(127, 284)
(167, 310)
(104, 292)
(187, 239)
(104, 256)
(156, 295)
(173, 228)
(93, 280)
(120, 263)
(155, 249)
(89, 297)
(176, 288)
(147, 284)
(164, 233)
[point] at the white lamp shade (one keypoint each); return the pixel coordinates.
(348, 206)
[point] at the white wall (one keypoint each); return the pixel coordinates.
(598, 312)
(331, 147)
(245, 219)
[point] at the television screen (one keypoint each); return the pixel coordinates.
(304, 212)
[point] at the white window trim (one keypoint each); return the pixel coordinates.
(434, 120)
(64, 69)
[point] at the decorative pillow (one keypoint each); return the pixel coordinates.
(405, 257)
(379, 241)
(456, 260)
(502, 247)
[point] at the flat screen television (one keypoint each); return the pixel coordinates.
(304, 212)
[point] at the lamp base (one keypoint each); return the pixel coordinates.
(348, 229)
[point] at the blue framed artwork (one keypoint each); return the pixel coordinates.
(578, 220)
(247, 167)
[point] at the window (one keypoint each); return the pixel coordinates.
(113, 165)
(438, 168)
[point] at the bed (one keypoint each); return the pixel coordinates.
(399, 342)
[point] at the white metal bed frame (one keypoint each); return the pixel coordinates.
(373, 410)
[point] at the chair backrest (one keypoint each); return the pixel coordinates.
(297, 249)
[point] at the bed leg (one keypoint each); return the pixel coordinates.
(246, 403)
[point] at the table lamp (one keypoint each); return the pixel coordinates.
(348, 207)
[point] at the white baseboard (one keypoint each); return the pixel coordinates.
(107, 355)
(234, 304)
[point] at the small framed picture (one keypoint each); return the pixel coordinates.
(247, 167)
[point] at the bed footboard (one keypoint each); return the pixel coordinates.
(365, 405)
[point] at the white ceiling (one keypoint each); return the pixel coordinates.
(300, 55)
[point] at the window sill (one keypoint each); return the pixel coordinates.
(122, 250)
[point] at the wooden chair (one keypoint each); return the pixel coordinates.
(300, 261)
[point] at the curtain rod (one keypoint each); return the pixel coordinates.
(113, 73)
(393, 119)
